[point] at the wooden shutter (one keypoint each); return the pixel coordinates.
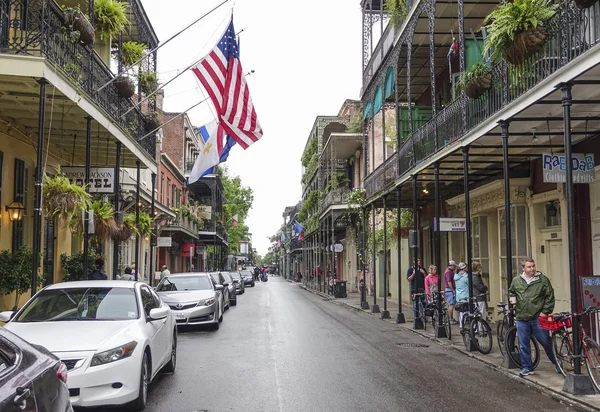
(17, 235)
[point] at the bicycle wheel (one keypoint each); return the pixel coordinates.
(434, 318)
(511, 343)
(482, 335)
(421, 312)
(563, 352)
(466, 332)
(447, 325)
(501, 329)
(592, 361)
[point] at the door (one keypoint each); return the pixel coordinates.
(16, 388)
(49, 243)
(558, 276)
(154, 330)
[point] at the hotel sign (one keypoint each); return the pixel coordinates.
(451, 224)
(102, 179)
(555, 167)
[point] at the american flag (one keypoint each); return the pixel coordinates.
(221, 74)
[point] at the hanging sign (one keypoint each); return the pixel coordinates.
(451, 224)
(166, 241)
(102, 179)
(554, 168)
(590, 289)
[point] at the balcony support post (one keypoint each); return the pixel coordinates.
(386, 313)
(414, 243)
(363, 293)
(118, 213)
(153, 234)
(440, 330)
(37, 216)
(507, 209)
(375, 308)
(373, 139)
(461, 52)
(465, 154)
(397, 110)
(137, 220)
(383, 148)
(409, 97)
(86, 220)
(400, 317)
(431, 15)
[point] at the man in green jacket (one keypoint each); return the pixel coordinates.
(532, 293)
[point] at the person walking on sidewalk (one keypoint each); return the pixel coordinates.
(431, 283)
(532, 294)
(461, 281)
(450, 290)
(416, 276)
(479, 289)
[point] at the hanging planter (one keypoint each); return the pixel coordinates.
(475, 81)
(74, 20)
(125, 87)
(151, 121)
(63, 199)
(110, 18)
(148, 82)
(127, 229)
(105, 226)
(518, 29)
(584, 4)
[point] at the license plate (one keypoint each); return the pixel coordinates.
(179, 315)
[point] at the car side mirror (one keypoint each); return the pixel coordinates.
(218, 287)
(159, 313)
(7, 315)
(225, 284)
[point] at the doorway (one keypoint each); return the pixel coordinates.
(558, 276)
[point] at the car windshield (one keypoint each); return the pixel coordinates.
(247, 274)
(183, 283)
(53, 305)
(235, 275)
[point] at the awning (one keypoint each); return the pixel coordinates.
(378, 100)
(367, 112)
(389, 82)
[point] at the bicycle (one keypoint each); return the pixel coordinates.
(508, 340)
(419, 309)
(436, 315)
(562, 346)
(476, 329)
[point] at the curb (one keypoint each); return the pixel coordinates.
(559, 396)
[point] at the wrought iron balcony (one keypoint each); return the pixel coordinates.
(334, 197)
(35, 28)
(189, 166)
(573, 33)
(381, 50)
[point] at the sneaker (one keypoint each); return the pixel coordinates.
(525, 372)
(454, 322)
(557, 369)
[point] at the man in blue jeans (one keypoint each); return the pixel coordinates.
(416, 276)
(532, 293)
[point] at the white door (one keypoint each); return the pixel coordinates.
(155, 330)
(558, 276)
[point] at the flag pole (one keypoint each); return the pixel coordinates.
(162, 86)
(170, 120)
(125, 70)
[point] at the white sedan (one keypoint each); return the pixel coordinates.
(114, 337)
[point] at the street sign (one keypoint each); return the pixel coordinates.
(590, 289)
(164, 242)
(451, 224)
(337, 248)
(554, 167)
(102, 179)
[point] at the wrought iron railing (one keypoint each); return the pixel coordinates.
(384, 45)
(334, 197)
(35, 28)
(571, 34)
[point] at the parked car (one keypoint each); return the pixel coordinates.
(232, 288)
(31, 378)
(248, 277)
(194, 298)
(239, 282)
(218, 279)
(114, 337)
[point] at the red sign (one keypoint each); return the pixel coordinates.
(187, 249)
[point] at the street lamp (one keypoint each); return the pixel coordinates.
(15, 211)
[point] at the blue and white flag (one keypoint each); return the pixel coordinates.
(212, 135)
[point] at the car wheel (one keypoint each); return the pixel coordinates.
(140, 403)
(170, 367)
(233, 302)
(221, 317)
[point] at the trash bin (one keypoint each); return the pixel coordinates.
(339, 289)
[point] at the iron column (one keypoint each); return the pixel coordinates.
(418, 323)
(152, 233)
(400, 317)
(375, 308)
(441, 331)
(385, 314)
(471, 347)
(364, 304)
(117, 211)
(37, 215)
(86, 220)
(507, 208)
(137, 221)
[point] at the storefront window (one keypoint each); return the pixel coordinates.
(479, 233)
(520, 241)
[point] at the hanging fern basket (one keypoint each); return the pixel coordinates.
(525, 45)
(584, 4)
(124, 233)
(125, 87)
(478, 86)
(151, 121)
(76, 20)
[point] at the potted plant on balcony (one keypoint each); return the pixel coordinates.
(148, 81)
(151, 121)
(125, 86)
(584, 4)
(110, 19)
(78, 25)
(518, 29)
(131, 52)
(396, 10)
(63, 199)
(475, 81)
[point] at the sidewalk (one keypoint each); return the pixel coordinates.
(545, 379)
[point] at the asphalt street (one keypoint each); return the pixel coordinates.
(285, 349)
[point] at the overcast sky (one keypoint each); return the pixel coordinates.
(307, 60)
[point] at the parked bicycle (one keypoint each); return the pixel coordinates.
(476, 329)
(420, 300)
(514, 353)
(444, 312)
(560, 325)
